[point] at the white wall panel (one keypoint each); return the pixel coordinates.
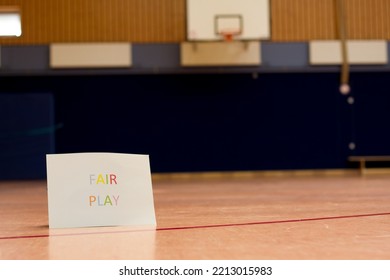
(220, 54)
(90, 55)
(359, 52)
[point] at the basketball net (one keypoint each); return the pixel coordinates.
(228, 36)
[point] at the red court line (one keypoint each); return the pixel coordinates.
(203, 226)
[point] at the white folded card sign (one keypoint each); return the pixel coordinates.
(99, 189)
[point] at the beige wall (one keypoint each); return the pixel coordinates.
(48, 21)
(302, 20)
(163, 21)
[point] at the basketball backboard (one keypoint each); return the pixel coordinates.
(211, 20)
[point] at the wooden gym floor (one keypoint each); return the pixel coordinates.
(222, 217)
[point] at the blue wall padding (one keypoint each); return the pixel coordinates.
(208, 122)
(26, 134)
(213, 122)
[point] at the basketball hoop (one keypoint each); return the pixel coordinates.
(228, 27)
(228, 36)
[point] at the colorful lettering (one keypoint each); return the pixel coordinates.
(105, 179)
(116, 199)
(100, 179)
(91, 179)
(113, 179)
(92, 199)
(107, 200)
(103, 200)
